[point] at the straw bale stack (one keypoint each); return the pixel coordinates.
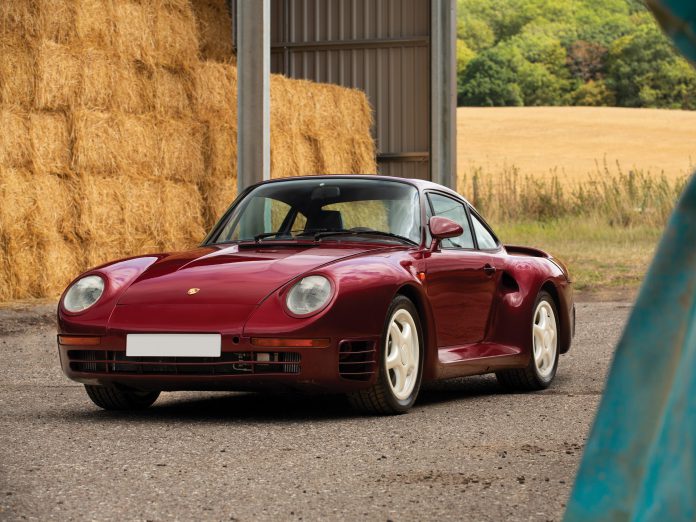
(118, 132)
(17, 70)
(50, 142)
(15, 145)
(57, 76)
(214, 30)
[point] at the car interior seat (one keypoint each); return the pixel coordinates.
(325, 220)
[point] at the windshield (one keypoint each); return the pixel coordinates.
(374, 210)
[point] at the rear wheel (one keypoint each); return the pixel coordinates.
(544, 358)
(112, 398)
(400, 363)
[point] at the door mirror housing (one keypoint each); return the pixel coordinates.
(443, 228)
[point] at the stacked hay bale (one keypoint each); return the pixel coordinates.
(118, 132)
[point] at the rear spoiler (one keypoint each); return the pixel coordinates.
(526, 251)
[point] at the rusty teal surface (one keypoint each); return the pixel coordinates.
(678, 18)
(640, 459)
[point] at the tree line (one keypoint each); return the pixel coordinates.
(568, 52)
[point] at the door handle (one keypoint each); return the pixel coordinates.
(488, 269)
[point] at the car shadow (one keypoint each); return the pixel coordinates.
(234, 407)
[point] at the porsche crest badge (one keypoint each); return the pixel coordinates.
(193, 291)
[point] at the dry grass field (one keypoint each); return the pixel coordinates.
(571, 140)
(607, 178)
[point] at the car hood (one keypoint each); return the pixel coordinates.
(241, 276)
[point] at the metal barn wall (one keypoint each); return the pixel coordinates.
(380, 46)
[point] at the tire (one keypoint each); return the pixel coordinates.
(112, 398)
(400, 368)
(543, 360)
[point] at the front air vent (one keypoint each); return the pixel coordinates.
(234, 363)
(357, 360)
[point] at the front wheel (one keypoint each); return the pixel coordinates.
(400, 363)
(112, 398)
(543, 363)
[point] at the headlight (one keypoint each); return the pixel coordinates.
(310, 295)
(83, 294)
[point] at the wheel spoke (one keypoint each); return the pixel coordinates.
(395, 334)
(393, 357)
(400, 374)
(406, 334)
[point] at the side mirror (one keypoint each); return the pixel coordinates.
(443, 228)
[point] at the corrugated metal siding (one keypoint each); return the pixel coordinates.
(381, 47)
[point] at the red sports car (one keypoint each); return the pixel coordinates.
(362, 285)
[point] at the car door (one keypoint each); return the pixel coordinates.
(460, 283)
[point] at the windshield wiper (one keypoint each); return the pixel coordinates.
(259, 237)
(321, 235)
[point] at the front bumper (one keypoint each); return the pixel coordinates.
(345, 365)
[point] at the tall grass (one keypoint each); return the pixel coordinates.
(617, 198)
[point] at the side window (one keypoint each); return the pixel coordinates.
(485, 240)
(454, 210)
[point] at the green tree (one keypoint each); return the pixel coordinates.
(490, 79)
(644, 71)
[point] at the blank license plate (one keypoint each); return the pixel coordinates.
(173, 345)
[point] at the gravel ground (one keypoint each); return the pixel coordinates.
(466, 451)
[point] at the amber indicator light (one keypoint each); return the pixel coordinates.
(289, 343)
(78, 341)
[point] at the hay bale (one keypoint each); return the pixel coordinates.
(15, 145)
(18, 246)
(96, 142)
(17, 71)
(215, 91)
(56, 208)
(181, 150)
(19, 17)
(109, 83)
(60, 261)
(137, 148)
(142, 218)
(57, 20)
(294, 147)
(53, 224)
(214, 30)
(58, 76)
(181, 216)
(217, 194)
(101, 222)
(134, 25)
(173, 90)
(50, 142)
(97, 85)
(112, 143)
(176, 34)
(219, 185)
(133, 87)
(94, 22)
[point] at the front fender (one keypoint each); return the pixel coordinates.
(364, 289)
(117, 276)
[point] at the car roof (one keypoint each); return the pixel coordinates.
(421, 184)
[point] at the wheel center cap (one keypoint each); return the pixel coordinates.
(403, 355)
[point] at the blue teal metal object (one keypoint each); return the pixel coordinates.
(640, 460)
(678, 18)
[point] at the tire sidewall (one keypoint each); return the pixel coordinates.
(400, 405)
(544, 381)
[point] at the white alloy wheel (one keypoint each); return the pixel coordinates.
(544, 339)
(402, 353)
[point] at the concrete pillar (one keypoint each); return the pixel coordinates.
(253, 92)
(443, 83)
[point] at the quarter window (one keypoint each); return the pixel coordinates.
(454, 210)
(485, 239)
